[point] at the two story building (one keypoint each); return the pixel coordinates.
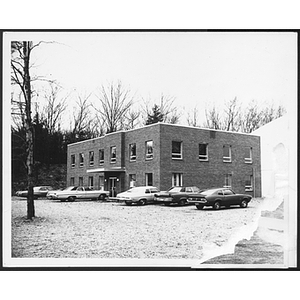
(165, 155)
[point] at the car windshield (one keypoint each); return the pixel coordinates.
(70, 188)
(209, 192)
(176, 189)
(137, 190)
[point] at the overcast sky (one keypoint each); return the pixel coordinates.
(196, 68)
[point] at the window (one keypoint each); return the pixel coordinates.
(72, 181)
(226, 153)
(248, 155)
(149, 179)
(132, 180)
(132, 152)
(177, 179)
(149, 150)
(113, 154)
(228, 181)
(249, 184)
(91, 158)
(91, 181)
(101, 156)
(80, 181)
(101, 182)
(228, 192)
(176, 150)
(73, 160)
(203, 152)
(81, 159)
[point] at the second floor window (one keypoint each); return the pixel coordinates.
(176, 150)
(73, 160)
(132, 152)
(113, 154)
(226, 153)
(149, 149)
(81, 159)
(203, 155)
(91, 156)
(101, 156)
(248, 155)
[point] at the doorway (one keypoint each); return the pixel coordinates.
(113, 184)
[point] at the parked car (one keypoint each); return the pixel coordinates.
(51, 194)
(219, 197)
(38, 191)
(72, 193)
(176, 194)
(140, 195)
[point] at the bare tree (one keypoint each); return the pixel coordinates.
(192, 118)
(213, 119)
(232, 118)
(20, 66)
(114, 104)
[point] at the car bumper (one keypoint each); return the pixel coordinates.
(164, 199)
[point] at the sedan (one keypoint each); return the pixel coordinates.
(71, 193)
(139, 195)
(219, 197)
(176, 194)
(38, 191)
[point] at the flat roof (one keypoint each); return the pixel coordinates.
(167, 124)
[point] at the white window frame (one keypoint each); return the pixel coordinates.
(228, 179)
(249, 188)
(91, 158)
(91, 181)
(101, 161)
(132, 157)
(132, 180)
(149, 155)
(227, 159)
(73, 160)
(248, 160)
(177, 155)
(113, 159)
(81, 159)
(201, 156)
(177, 179)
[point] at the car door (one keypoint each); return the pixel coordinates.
(153, 191)
(230, 197)
(80, 193)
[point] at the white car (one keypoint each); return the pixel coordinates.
(79, 192)
(140, 195)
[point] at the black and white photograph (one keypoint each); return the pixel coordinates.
(150, 149)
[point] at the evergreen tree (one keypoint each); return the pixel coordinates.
(156, 116)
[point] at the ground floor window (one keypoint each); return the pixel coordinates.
(228, 181)
(132, 180)
(149, 179)
(80, 181)
(249, 184)
(91, 181)
(72, 181)
(177, 179)
(101, 182)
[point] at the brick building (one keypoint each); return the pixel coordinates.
(165, 155)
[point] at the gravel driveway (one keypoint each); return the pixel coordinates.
(95, 229)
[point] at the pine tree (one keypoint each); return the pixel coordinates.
(156, 116)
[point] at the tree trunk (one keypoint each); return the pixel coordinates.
(29, 132)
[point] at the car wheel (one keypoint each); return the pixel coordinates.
(200, 207)
(128, 203)
(217, 205)
(182, 202)
(102, 197)
(142, 202)
(167, 203)
(71, 199)
(244, 204)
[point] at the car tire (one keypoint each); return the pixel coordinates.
(182, 202)
(71, 199)
(128, 203)
(244, 204)
(167, 203)
(217, 205)
(102, 197)
(142, 202)
(200, 207)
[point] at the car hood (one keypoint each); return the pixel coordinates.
(126, 194)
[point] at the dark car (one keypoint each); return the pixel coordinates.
(176, 194)
(38, 191)
(219, 197)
